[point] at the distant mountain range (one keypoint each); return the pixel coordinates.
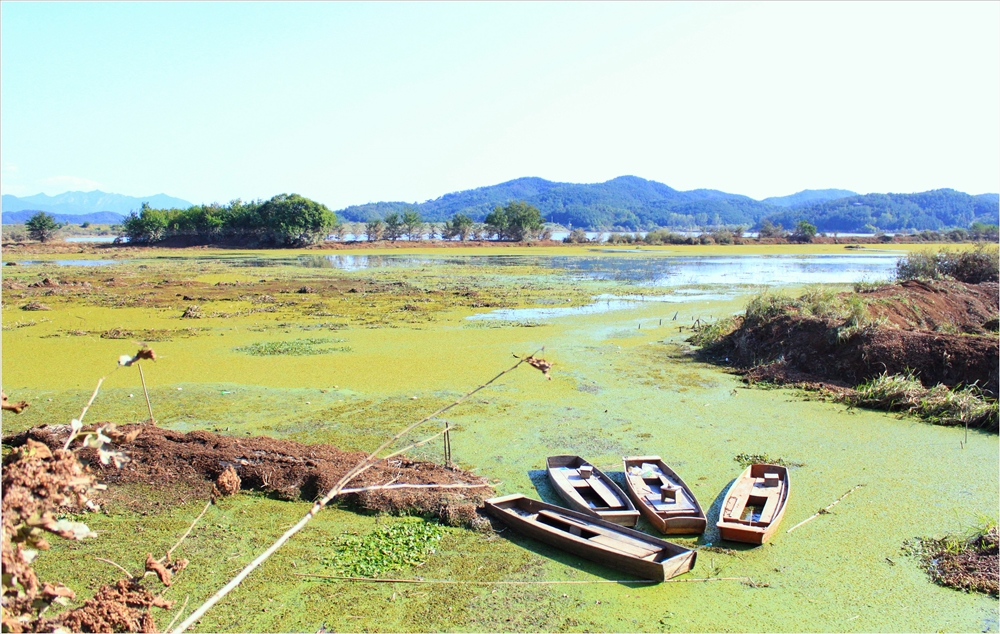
(78, 203)
(623, 203)
(96, 218)
(633, 203)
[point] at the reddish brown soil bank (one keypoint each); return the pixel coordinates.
(945, 332)
(288, 469)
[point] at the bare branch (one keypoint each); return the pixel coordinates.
(357, 470)
(385, 487)
(116, 565)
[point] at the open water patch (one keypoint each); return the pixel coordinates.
(71, 262)
(653, 270)
(602, 304)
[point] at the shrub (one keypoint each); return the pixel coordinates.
(982, 264)
(918, 266)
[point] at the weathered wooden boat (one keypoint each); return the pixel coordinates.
(755, 504)
(662, 496)
(589, 490)
(592, 538)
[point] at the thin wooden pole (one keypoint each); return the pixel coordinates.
(825, 509)
(144, 391)
(357, 470)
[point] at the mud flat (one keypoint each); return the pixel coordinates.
(340, 363)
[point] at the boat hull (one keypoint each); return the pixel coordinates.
(611, 545)
(604, 498)
(751, 491)
(685, 517)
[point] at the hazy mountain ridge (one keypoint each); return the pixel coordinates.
(75, 203)
(808, 197)
(96, 218)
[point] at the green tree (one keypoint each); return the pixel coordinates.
(293, 220)
(804, 231)
(413, 225)
(515, 221)
(393, 226)
(769, 230)
(41, 226)
(148, 225)
(460, 226)
(374, 229)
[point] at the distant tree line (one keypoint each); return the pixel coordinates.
(286, 220)
(290, 220)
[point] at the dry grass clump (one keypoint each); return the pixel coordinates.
(962, 406)
(35, 306)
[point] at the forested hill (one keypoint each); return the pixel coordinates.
(936, 209)
(633, 203)
(627, 202)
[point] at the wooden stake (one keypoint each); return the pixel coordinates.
(143, 379)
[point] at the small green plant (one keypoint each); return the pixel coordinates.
(819, 301)
(712, 333)
(870, 286)
(765, 307)
(390, 546)
(747, 459)
(295, 347)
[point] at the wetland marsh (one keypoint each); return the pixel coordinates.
(347, 349)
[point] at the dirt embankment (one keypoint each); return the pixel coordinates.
(195, 461)
(943, 332)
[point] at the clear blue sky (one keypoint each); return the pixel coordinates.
(351, 103)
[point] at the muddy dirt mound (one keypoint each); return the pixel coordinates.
(940, 306)
(795, 348)
(288, 469)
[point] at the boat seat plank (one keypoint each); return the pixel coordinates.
(769, 508)
(630, 548)
(605, 493)
(571, 479)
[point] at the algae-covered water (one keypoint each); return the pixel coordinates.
(396, 338)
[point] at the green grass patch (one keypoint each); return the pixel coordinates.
(295, 347)
(388, 547)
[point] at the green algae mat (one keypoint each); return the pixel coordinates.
(348, 351)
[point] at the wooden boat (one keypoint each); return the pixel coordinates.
(754, 505)
(662, 497)
(592, 538)
(589, 490)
